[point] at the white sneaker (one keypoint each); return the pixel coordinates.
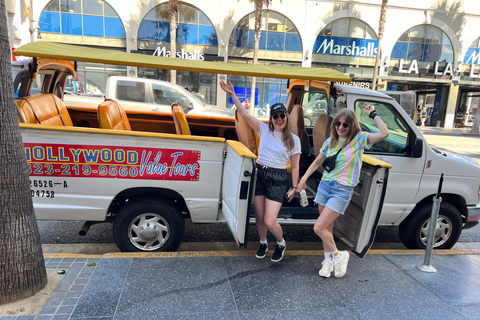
(340, 265)
(327, 269)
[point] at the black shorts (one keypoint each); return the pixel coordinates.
(271, 183)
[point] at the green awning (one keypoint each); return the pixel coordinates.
(44, 49)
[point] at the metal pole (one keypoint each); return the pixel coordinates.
(437, 200)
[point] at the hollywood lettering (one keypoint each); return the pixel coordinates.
(112, 162)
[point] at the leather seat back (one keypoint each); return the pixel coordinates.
(44, 108)
(112, 116)
(297, 126)
(321, 131)
(246, 134)
(181, 124)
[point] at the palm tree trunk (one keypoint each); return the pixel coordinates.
(22, 268)
(381, 28)
(258, 26)
(173, 36)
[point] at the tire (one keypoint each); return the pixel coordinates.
(148, 224)
(307, 122)
(414, 231)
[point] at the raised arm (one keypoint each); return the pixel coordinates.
(376, 137)
(253, 122)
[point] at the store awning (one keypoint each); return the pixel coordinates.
(44, 49)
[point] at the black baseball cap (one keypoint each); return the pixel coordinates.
(277, 107)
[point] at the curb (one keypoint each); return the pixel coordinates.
(246, 253)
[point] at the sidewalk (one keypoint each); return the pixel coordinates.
(448, 132)
(235, 285)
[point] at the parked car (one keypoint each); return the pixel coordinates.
(142, 94)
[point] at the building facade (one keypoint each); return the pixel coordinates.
(431, 47)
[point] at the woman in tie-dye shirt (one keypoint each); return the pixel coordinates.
(336, 187)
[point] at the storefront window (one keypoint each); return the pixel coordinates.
(193, 26)
(278, 33)
(347, 37)
(423, 43)
(91, 18)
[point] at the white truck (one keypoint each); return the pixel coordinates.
(148, 180)
(142, 94)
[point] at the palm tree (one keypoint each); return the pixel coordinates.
(258, 5)
(381, 28)
(173, 8)
(22, 268)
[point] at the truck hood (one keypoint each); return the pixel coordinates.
(454, 155)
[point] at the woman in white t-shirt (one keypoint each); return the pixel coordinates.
(278, 146)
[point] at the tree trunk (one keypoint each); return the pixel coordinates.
(381, 28)
(22, 268)
(258, 32)
(173, 36)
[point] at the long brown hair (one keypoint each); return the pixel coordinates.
(287, 137)
(353, 129)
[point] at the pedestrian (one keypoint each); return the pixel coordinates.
(419, 115)
(277, 147)
(424, 117)
(341, 156)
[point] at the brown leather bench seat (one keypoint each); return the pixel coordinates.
(45, 108)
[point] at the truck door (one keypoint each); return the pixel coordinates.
(357, 227)
(396, 150)
(238, 186)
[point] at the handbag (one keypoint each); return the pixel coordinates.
(329, 162)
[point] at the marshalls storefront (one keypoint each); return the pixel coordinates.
(431, 47)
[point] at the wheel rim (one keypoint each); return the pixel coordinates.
(443, 231)
(148, 231)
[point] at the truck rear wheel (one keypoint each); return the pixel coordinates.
(148, 224)
(413, 231)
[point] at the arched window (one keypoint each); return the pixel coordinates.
(347, 37)
(425, 43)
(93, 18)
(193, 26)
(278, 33)
(473, 53)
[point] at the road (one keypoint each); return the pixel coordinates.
(66, 232)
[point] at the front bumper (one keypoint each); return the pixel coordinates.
(473, 216)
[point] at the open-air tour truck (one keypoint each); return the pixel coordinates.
(149, 178)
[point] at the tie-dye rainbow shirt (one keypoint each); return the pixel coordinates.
(348, 162)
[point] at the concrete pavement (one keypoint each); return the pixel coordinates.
(235, 285)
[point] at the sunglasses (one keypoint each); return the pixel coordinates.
(275, 116)
(345, 125)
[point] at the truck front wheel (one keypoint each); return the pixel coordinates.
(148, 224)
(413, 231)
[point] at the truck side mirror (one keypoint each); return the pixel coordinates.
(417, 149)
(186, 105)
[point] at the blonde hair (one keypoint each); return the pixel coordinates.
(353, 129)
(287, 137)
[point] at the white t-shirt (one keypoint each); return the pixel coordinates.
(272, 152)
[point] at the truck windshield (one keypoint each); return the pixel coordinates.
(397, 142)
(316, 104)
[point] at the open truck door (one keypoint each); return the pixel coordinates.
(238, 186)
(357, 227)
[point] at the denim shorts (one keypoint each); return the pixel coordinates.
(334, 195)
